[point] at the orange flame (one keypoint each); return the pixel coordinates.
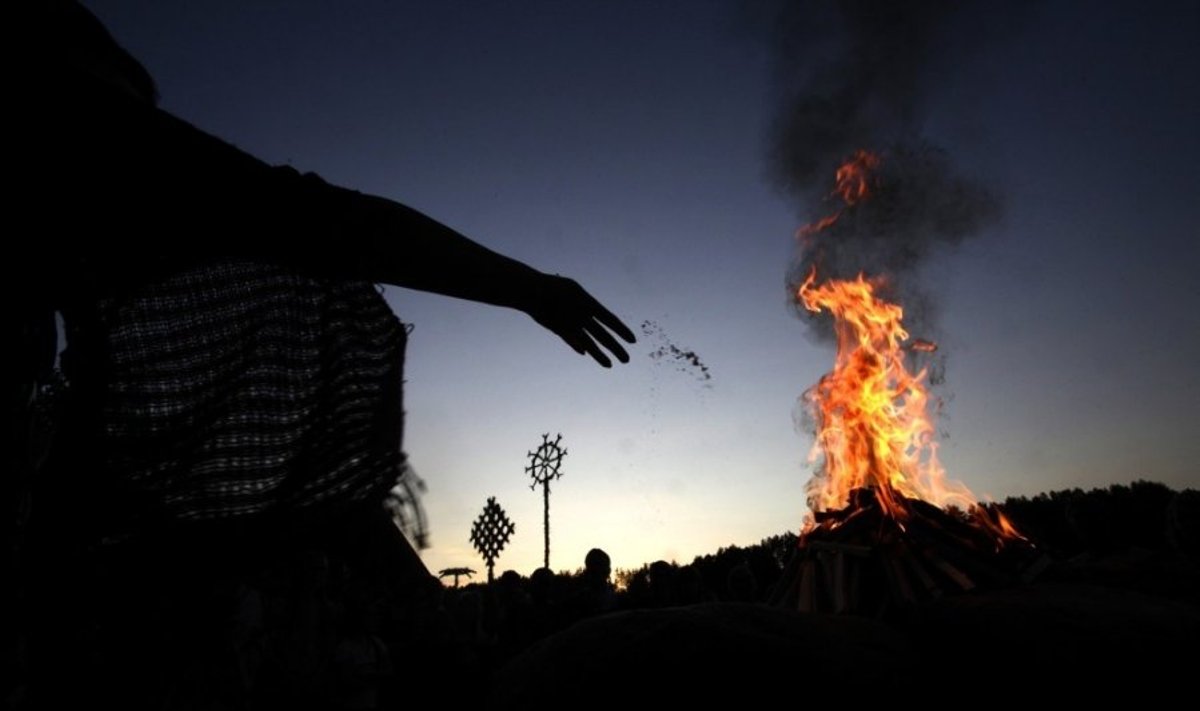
(854, 177)
(874, 428)
(852, 185)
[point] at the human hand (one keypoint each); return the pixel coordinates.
(564, 307)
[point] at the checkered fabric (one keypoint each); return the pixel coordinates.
(238, 387)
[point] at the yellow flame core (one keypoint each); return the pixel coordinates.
(873, 423)
(874, 427)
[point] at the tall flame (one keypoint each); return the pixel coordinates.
(874, 427)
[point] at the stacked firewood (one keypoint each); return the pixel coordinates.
(863, 560)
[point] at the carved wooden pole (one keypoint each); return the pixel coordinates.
(490, 533)
(545, 464)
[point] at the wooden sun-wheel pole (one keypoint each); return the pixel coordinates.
(545, 463)
(490, 534)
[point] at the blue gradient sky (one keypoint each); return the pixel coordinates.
(622, 144)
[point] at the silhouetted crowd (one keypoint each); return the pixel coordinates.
(344, 621)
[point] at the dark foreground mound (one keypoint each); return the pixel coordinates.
(1021, 643)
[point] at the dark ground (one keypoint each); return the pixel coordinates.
(1087, 632)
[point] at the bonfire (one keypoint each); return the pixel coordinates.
(887, 528)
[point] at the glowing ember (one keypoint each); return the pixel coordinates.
(874, 428)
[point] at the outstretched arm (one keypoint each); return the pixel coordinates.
(154, 176)
(395, 244)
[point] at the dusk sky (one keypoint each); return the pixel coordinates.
(626, 145)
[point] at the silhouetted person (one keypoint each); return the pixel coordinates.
(547, 615)
(663, 592)
(1183, 524)
(690, 588)
(742, 584)
(596, 595)
(234, 374)
(361, 661)
(597, 566)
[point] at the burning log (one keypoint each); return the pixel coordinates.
(808, 584)
(898, 584)
(841, 598)
(863, 560)
(928, 584)
(954, 574)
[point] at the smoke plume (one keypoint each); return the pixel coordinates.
(853, 75)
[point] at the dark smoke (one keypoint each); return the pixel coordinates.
(854, 75)
(919, 205)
